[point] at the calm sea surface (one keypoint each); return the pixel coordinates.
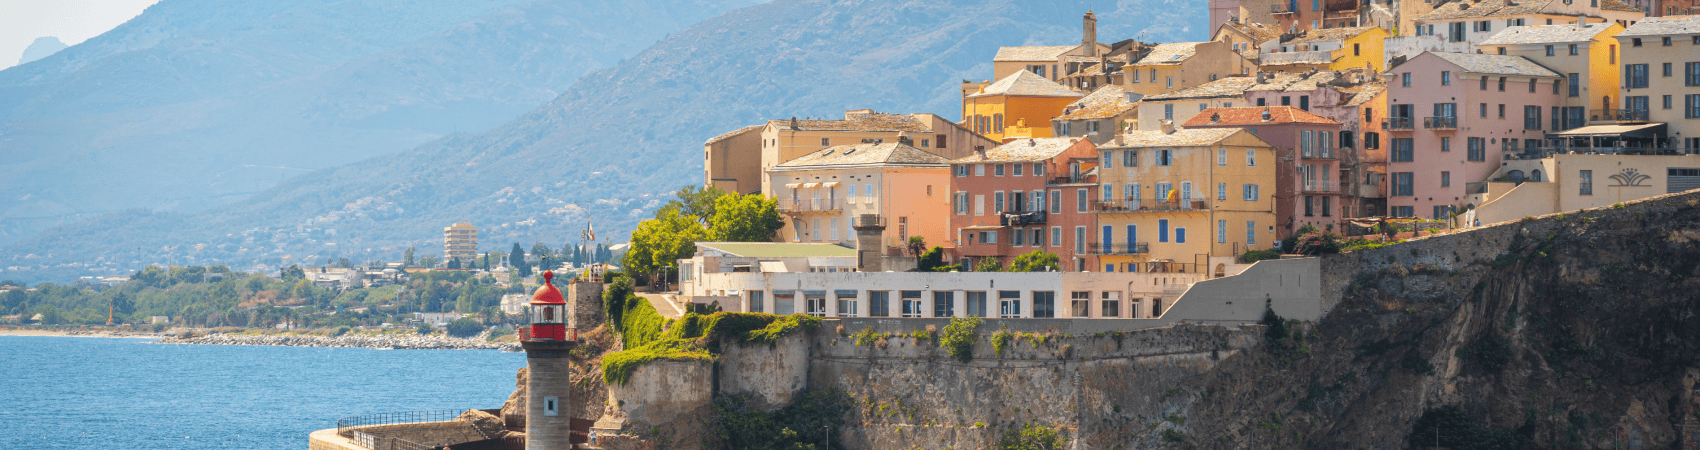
(95, 393)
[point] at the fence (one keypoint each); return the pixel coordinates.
(344, 424)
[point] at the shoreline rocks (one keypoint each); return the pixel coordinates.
(396, 342)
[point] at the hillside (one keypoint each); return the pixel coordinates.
(196, 104)
(610, 145)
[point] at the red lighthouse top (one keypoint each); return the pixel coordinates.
(549, 313)
(548, 294)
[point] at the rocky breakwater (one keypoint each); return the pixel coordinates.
(398, 342)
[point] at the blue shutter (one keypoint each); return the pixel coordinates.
(1132, 235)
(1180, 235)
(1162, 230)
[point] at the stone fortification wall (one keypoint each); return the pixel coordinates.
(584, 303)
(768, 375)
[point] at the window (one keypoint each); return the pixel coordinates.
(1162, 230)
(1164, 157)
(1130, 158)
(1372, 140)
(1477, 148)
(960, 200)
(1691, 106)
(997, 170)
(1691, 74)
(1532, 83)
(997, 123)
(1531, 117)
(1575, 83)
(1550, 51)
(1445, 78)
(960, 169)
(1109, 159)
(1611, 55)
(1056, 236)
(1056, 202)
(1482, 83)
(1169, 112)
(1221, 191)
(1250, 157)
(1250, 232)
(1667, 70)
(1080, 200)
(911, 306)
(1347, 139)
(1667, 102)
(1585, 181)
(979, 205)
(1310, 206)
(756, 301)
(1402, 150)
(1405, 79)
(1355, 51)
(1573, 50)
(1015, 169)
(1327, 207)
(1445, 144)
(1080, 303)
(1221, 231)
(1079, 240)
(1171, 83)
(1180, 235)
(1250, 191)
(1402, 184)
(926, 143)
(1445, 179)
(1483, 110)
(944, 303)
(979, 170)
(1044, 304)
(1501, 84)
(1304, 102)
(1502, 110)
(1635, 76)
(1038, 169)
(976, 303)
(784, 302)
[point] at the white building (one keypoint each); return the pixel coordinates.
(514, 304)
(438, 320)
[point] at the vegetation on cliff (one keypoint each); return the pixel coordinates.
(803, 425)
(692, 337)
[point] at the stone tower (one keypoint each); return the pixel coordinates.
(869, 249)
(1089, 34)
(549, 384)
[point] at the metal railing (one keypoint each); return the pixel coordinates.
(1138, 248)
(1440, 123)
(344, 424)
(1618, 115)
(1282, 8)
(1527, 153)
(808, 204)
(1016, 219)
(1073, 179)
(1321, 186)
(1138, 205)
(1396, 123)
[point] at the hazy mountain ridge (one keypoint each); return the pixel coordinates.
(640, 124)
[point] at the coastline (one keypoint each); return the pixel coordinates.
(388, 342)
(82, 333)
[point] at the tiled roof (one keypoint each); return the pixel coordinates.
(1170, 53)
(1463, 10)
(1037, 53)
(1329, 35)
(1026, 84)
(1033, 149)
(1365, 93)
(731, 134)
(1106, 102)
(1253, 115)
(1290, 58)
(1615, 5)
(1496, 64)
(859, 154)
(864, 122)
(1258, 32)
(1225, 87)
(1546, 34)
(1193, 137)
(1663, 26)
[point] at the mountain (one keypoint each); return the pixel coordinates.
(613, 145)
(198, 103)
(42, 47)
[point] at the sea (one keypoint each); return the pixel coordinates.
(111, 393)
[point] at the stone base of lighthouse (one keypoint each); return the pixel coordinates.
(548, 391)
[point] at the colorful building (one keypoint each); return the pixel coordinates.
(823, 193)
(1333, 48)
(1018, 106)
(1449, 129)
(1307, 161)
(1181, 65)
(1098, 116)
(1009, 200)
(1171, 200)
(1357, 100)
(738, 161)
(1662, 58)
(1178, 106)
(1049, 61)
(1586, 55)
(1461, 26)
(1246, 38)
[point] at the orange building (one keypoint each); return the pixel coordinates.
(1018, 106)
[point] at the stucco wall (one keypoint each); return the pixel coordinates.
(659, 393)
(770, 376)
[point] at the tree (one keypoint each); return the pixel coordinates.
(694, 201)
(293, 272)
(661, 242)
(516, 257)
(464, 327)
(407, 258)
(428, 261)
(988, 265)
(539, 250)
(916, 245)
(1035, 261)
(931, 261)
(454, 263)
(614, 299)
(745, 218)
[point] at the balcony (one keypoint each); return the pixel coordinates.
(809, 205)
(1141, 206)
(1019, 219)
(1528, 153)
(1319, 186)
(1283, 8)
(1396, 124)
(1441, 123)
(1617, 115)
(1074, 179)
(1138, 248)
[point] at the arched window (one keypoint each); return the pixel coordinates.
(1535, 175)
(1516, 176)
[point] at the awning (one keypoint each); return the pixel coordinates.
(829, 184)
(773, 267)
(984, 227)
(792, 185)
(1642, 130)
(810, 185)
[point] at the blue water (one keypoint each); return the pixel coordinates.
(87, 393)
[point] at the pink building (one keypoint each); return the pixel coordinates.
(1450, 118)
(1026, 195)
(1357, 100)
(1307, 157)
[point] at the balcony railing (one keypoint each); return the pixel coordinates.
(1138, 248)
(1527, 153)
(1441, 123)
(1017, 219)
(1282, 8)
(1321, 186)
(1071, 179)
(1617, 115)
(1396, 123)
(1135, 205)
(809, 205)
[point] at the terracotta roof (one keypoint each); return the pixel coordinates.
(1663, 26)
(1036, 53)
(1032, 149)
(1258, 32)
(862, 154)
(731, 134)
(1225, 87)
(1193, 137)
(1026, 84)
(1291, 58)
(1328, 35)
(1106, 102)
(1496, 64)
(1547, 34)
(864, 122)
(1170, 53)
(1254, 115)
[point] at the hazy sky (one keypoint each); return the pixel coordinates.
(72, 21)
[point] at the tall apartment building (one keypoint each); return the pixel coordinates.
(460, 241)
(1587, 57)
(1010, 200)
(1307, 161)
(1661, 62)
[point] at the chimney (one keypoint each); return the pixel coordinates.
(1168, 126)
(1089, 33)
(794, 123)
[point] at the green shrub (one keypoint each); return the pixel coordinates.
(614, 302)
(813, 417)
(692, 337)
(464, 327)
(1170, 435)
(617, 367)
(340, 331)
(639, 324)
(1032, 437)
(988, 265)
(158, 327)
(1259, 255)
(1000, 339)
(930, 261)
(1317, 243)
(424, 328)
(1355, 244)
(959, 337)
(1035, 261)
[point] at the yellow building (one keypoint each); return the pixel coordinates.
(1345, 48)
(460, 241)
(1171, 200)
(823, 193)
(737, 161)
(1586, 55)
(1018, 106)
(1671, 92)
(1180, 65)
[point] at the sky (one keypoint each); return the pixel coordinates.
(72, 21)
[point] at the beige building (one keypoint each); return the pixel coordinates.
(1586, 55)
(1568, 182)
(1246, 38)
(732, 161)
(1175, 66)
(1667, 51)
(460, 241)
(822, 194)
(1097, 117)
(1178, 106)
(1050, 61)
(737, 161)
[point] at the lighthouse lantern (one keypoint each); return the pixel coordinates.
(549, 313)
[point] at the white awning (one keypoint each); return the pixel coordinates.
(773, 267)
(1612, 130)
(792, 185)
(829, 184)
(810, 185)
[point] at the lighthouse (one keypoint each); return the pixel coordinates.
(548, 386)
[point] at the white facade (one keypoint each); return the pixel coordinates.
(955, 294)
(514, 304)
